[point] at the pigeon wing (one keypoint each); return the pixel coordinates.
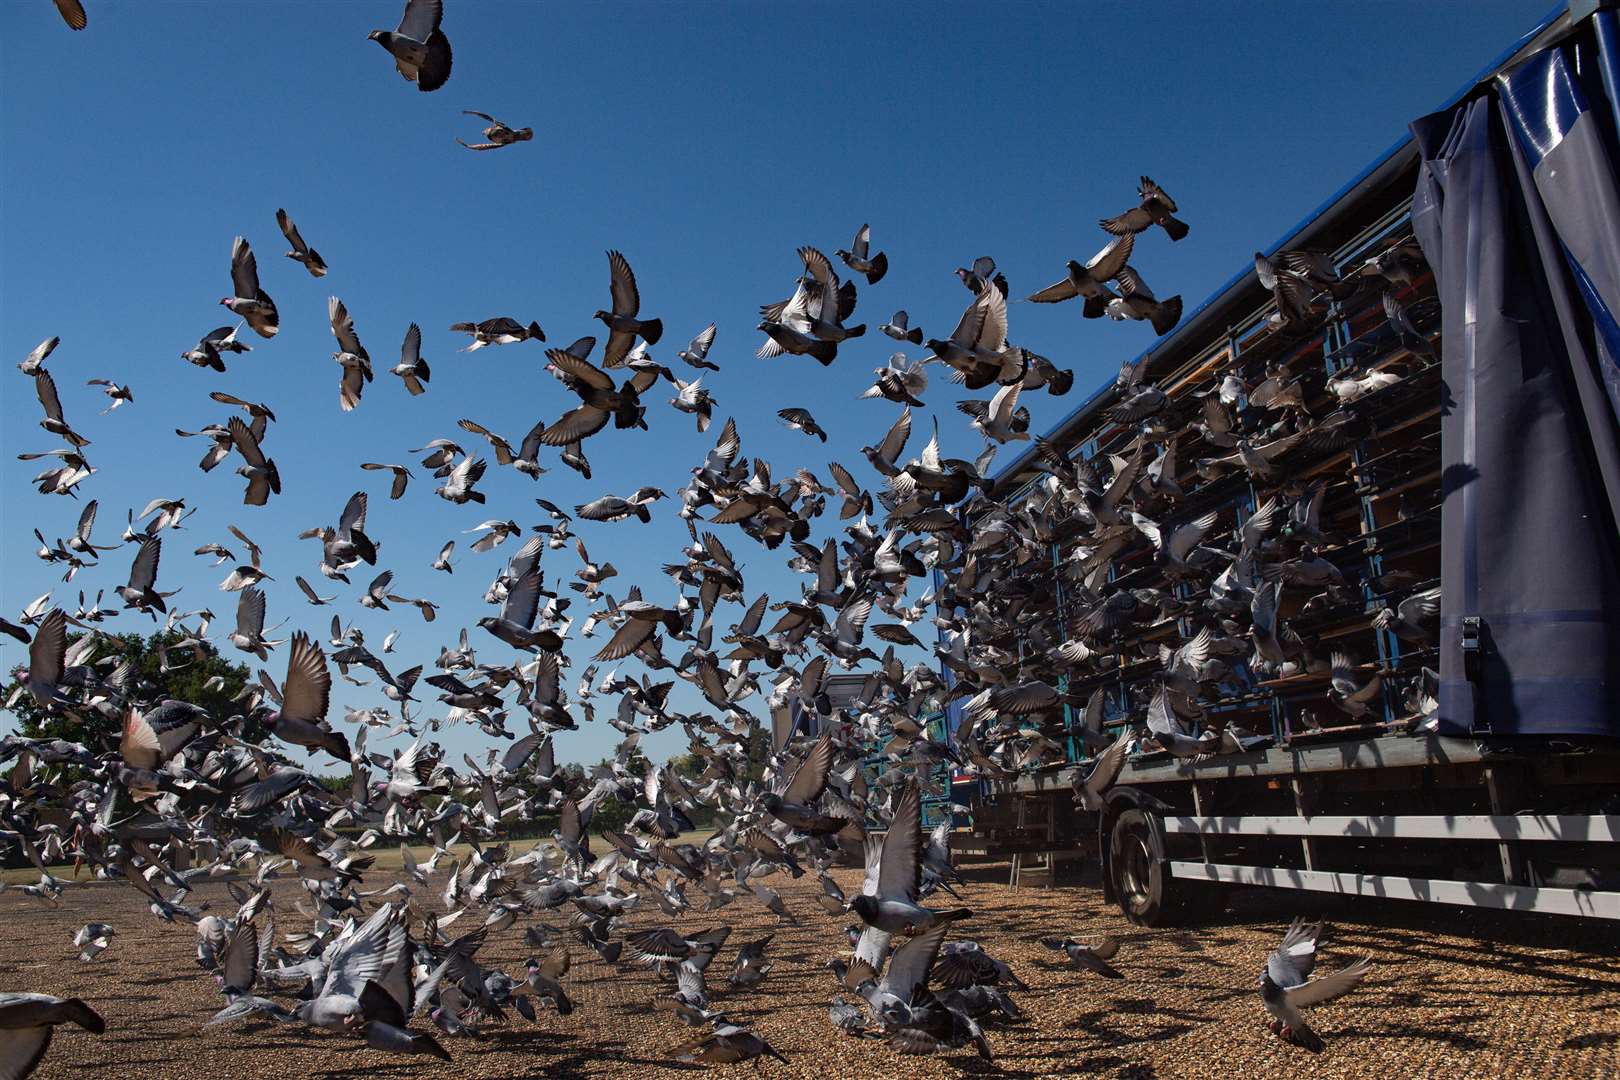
(909, 968)
(308, 689)
(244, 269)
(899, 868)
(1328, 987)
(290, 231)
(626, 298)
(810, 778)
(250, 612)
(420, 20)
(1291, 962)
(143, 572)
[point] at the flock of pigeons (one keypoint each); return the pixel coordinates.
(185, 795)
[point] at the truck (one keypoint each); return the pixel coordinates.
(1482, 767)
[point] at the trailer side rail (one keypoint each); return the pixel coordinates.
(1588, 902)
(1495, 827)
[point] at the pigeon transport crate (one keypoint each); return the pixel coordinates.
(1502, 788)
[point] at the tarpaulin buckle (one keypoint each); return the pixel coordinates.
(1473, 632)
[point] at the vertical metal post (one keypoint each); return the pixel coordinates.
(1015, 869)
(1503, 784)
(1304, 806)
(1199, 808)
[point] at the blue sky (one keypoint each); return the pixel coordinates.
(707, 142)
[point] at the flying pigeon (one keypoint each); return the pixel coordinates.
(420, 50)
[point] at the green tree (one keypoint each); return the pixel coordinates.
(195, 673)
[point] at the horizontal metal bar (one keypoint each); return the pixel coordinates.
(1386, 752)
(1585, 902)
(1569, 829)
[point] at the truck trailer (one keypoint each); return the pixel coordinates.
(1472, 759)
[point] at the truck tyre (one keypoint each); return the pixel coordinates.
(1146, 892)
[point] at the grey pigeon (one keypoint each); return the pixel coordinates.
(622, 321)
(1155, 208)
(1136, 301)
(801, 420)
(1092, 958)
(206, 353)
(501, 330)
(412, 368)
(247, 299)
(301, 252)
(351, 355)
(1090, 280)
(458, 484)
(858, 259)
(899, 327)
(696, 352)
(420, 50)
(1286, 985)
(35, 360)
(260, 472)
(497, 134)
(892, 904)
(27, 1022)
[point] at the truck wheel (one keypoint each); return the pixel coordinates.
(1147, 894)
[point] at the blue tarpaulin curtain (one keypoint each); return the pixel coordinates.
(1518, 214)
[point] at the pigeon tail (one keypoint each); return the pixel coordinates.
(880, 266)
(1176, 228)
(652, 330)
(363, 546)
(337, 745)
(1303, 1036)
(83, 1015)
(1166, 315)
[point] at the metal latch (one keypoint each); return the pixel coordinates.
(1473, 628)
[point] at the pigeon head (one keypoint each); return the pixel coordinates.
(865, 906)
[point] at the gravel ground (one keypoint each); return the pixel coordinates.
(1452, 994)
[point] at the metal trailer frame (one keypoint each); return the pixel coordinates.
(1183, 837)
(1186, 841)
